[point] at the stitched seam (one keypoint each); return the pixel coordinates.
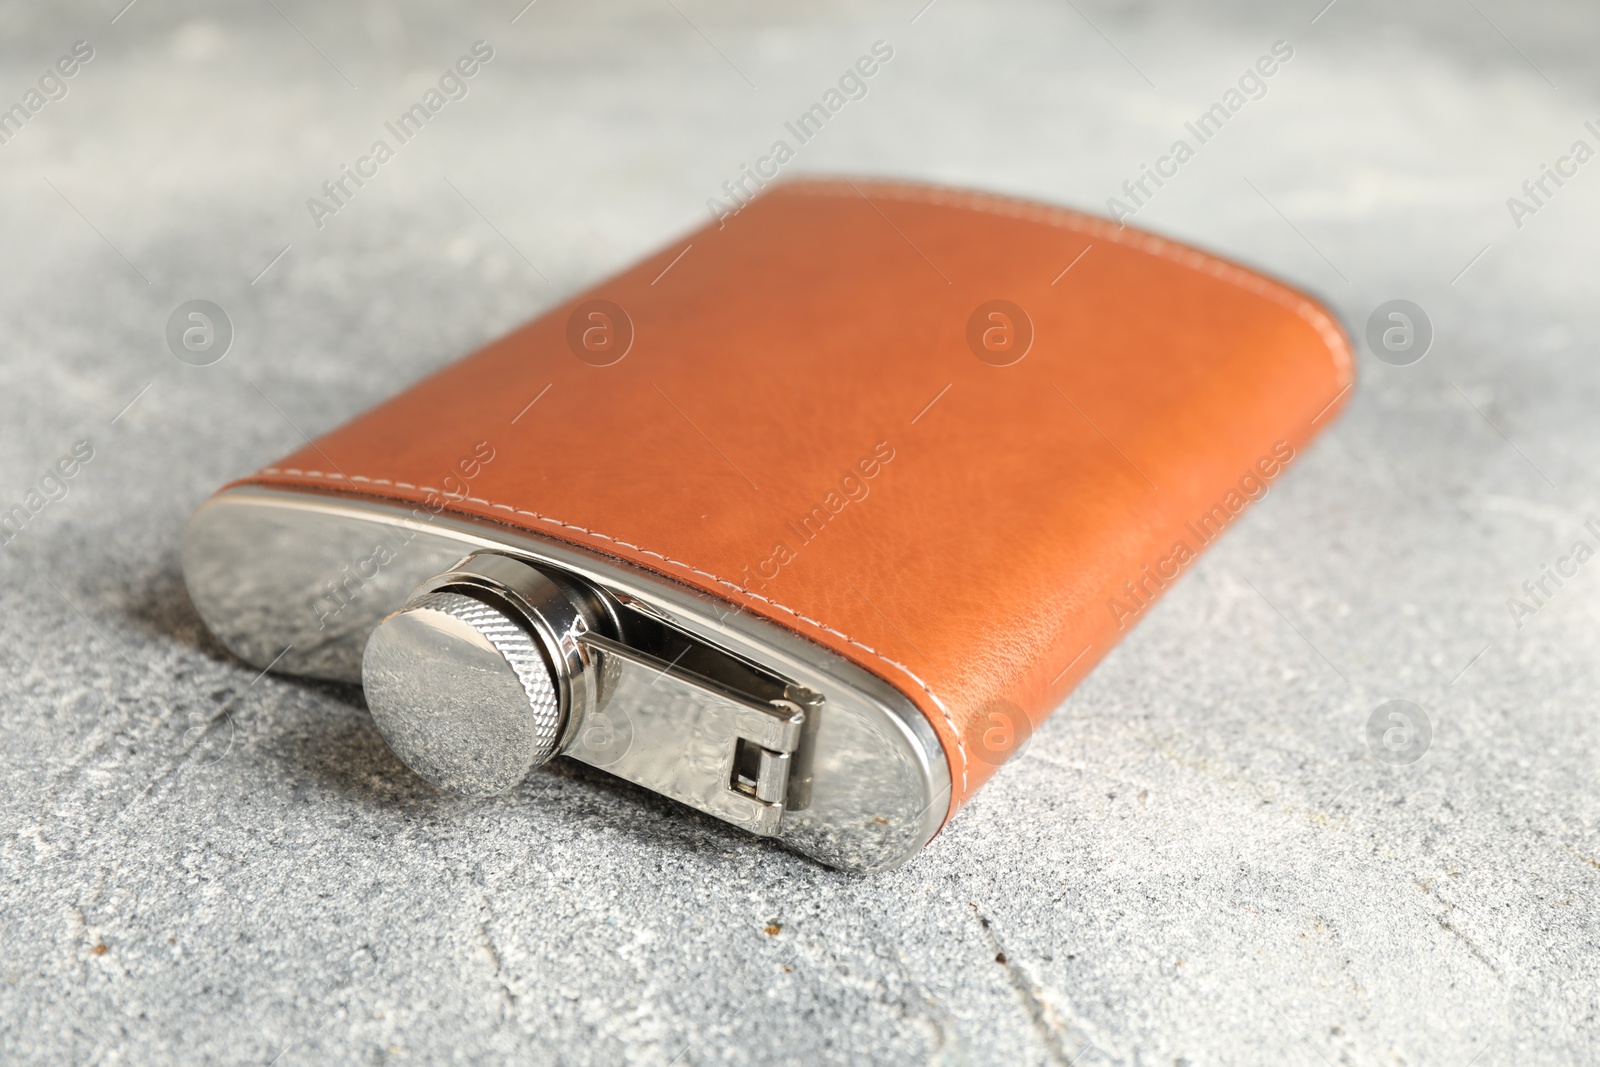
(1090, 225)
(907, 671)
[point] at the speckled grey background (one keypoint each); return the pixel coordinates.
(1199, 860)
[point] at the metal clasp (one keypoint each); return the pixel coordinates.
(690, 738)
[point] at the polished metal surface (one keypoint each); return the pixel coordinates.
(304, 579)
(462, 693)
(556, 611)
(494, 665)
(680, 736)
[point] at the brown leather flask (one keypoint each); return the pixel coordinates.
(806, 521)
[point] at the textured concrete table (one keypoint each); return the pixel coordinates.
(1200, 859)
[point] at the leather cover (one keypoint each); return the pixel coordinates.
(801, 424)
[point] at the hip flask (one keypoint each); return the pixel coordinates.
(806, 521)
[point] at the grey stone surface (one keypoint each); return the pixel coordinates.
(1198, 860)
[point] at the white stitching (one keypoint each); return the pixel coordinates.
(1063, 218)
(907, 671)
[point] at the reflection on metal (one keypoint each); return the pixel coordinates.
(690, 741)
(693, 698)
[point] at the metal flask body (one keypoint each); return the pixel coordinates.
(674, 571)
(485, 651)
